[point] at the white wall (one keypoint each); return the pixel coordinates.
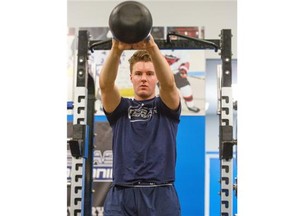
(213, 15)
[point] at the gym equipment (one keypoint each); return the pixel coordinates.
(81, 165)
(81, 144)
(130, 22)
(225, 112)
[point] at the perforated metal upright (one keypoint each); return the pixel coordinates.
(226, 141)
(81, 145)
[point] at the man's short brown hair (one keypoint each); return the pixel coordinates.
(140, 55)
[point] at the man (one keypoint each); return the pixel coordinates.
(144, 133)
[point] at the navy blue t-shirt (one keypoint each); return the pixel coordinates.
(144, 141)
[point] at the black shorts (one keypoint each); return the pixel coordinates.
(180, 81)
(142, 201)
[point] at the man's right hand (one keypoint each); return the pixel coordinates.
(120, 46)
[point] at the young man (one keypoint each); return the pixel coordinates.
(144, 133)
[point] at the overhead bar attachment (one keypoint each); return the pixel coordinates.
(189, 43)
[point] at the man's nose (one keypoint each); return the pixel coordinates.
(143, 76)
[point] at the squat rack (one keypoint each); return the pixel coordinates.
(81, 144)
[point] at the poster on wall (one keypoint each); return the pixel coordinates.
(188, 67)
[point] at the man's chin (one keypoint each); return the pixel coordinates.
(144, 96)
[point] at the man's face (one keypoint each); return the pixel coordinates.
(144, 80)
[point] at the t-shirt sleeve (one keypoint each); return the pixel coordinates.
(121, 109)
(174, 114)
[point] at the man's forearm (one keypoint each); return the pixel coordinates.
(162, 68)
(109, 70)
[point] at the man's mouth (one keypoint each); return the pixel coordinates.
(143, 86)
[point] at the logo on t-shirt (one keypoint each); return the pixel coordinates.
(140, 113)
